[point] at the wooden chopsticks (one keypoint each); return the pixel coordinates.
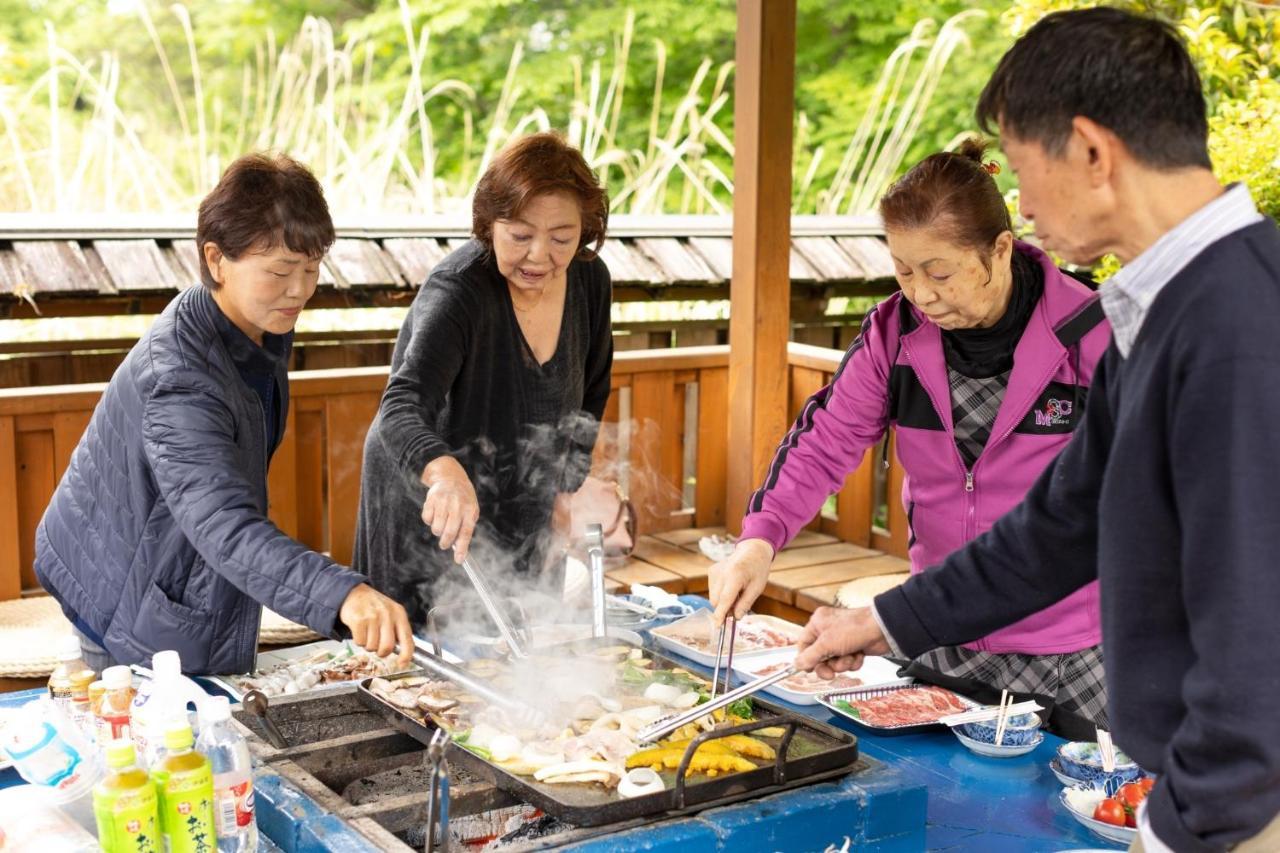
(1107, 749)
(981, 715)
(1002, 719)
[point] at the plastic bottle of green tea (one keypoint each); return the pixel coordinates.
(124, 804)
(184, 781)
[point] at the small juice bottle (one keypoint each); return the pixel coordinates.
(68, 676)
(124, 804)
(184, 780)
(81, 709)
(112, 713)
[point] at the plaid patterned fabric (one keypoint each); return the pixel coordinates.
(974, 404)
(1074, 681)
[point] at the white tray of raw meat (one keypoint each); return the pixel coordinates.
(804, 689)
(897, 710)
(695, 637)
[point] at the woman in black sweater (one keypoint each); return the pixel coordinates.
(498, 380)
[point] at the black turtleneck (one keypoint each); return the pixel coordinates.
(984, 353)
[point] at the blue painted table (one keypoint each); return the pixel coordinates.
(974, 805)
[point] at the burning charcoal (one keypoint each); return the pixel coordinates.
(539, 827)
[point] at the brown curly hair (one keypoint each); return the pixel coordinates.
(535, 165)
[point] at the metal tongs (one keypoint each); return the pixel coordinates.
(595, 566)
(437, 792)
(731, 622)
(663, 727)
(423, 658)
(495, 610)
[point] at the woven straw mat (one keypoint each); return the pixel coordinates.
(30, 628)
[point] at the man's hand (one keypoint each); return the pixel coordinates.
(835, 640)
(377, 623)
(735, 584)
(451, 509)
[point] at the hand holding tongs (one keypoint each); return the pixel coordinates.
(437, 792)
(495, 610)
(731, 622)
(663, 727)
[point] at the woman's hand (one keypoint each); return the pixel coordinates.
(451, 509)
(377, 623)
(735, 584)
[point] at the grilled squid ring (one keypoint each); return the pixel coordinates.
(638, 782)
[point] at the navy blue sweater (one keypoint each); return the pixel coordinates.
(1169, 494)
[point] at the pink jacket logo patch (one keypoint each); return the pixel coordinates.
(1056, 413)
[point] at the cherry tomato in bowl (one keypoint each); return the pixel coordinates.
(1110, 811)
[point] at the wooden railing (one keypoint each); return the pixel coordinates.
(665, 437)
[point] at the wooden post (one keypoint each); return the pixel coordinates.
(760, 291)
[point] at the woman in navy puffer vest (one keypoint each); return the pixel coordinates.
(158, 536)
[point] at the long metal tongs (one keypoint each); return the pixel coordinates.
(731, 623)
(494, 608)
(423, 658)
(437, 793)
(595, 566)
(657, 730)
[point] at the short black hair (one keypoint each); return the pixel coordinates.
(1129, 73)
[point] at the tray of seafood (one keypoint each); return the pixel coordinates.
(577, 757)
(310, 668)
(694, 637)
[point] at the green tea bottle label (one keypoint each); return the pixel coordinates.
(186, 811)
(127, 820)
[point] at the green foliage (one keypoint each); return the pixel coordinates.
(1234, 45)
(398, 103)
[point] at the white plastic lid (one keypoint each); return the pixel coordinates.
(216, 710)
(166, 664)
(117, 677)
(69, 647)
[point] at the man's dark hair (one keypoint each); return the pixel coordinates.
(264, 201)
(1129, 73)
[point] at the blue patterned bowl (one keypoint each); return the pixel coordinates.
(1082, 760)
(1018, 731)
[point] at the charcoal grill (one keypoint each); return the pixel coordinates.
(808, 752)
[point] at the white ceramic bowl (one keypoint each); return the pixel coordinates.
(1080, 802)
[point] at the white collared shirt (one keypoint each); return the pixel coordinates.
(1128, 295)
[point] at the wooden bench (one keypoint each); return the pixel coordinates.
(809, 573)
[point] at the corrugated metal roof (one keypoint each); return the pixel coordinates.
(59, 257)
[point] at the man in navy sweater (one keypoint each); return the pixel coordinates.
(1169, 493)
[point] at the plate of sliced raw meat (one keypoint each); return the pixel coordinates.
(805, 687)
(897, 710)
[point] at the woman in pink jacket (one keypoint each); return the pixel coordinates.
(982, 365)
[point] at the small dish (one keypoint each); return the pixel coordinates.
(1067, 781)
(1019, 730)
(1005, 751)
(1082, 762)
(1080, 802)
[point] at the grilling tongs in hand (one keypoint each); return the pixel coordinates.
(668, 725)
(494, 608)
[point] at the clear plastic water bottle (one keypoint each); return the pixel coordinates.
(157, 702)
(232, 777)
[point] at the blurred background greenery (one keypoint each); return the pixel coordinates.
(134, 105)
